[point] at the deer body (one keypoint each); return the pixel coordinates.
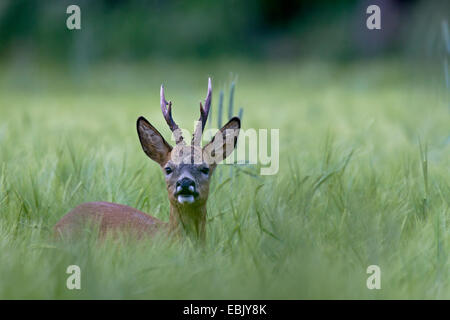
(188, 170)
(109, 217)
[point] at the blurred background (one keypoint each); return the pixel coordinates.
(119, 30)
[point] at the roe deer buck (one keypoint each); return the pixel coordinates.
(187, 170)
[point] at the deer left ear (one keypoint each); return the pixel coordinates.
(152, 142)
(224, 142)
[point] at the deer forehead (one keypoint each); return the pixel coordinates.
(182, 154)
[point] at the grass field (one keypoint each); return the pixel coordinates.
(364, 179)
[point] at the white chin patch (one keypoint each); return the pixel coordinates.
(185, 199)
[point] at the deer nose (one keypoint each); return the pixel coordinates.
(186, 184)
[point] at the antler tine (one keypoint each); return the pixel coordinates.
(167, 113)
(204, 112)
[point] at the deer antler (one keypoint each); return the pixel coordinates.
(204, 112)
(167, 113)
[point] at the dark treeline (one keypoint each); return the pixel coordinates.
(136, 30)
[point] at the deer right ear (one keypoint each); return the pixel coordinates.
(152, 142)
(223, 142)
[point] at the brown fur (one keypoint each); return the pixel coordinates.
(108, 217)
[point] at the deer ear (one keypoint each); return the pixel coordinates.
(152, 142)
(224, 142)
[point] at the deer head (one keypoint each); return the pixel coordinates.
(187, 168)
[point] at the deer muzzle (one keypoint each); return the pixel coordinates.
(186, 191)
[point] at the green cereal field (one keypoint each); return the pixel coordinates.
(364, 179)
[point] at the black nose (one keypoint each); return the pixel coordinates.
(185, 183)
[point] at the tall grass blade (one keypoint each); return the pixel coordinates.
(231, 101)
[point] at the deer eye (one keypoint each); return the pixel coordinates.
(204, 170)
(168, 170)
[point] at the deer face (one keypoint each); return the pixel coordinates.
(187, 176)
(188, 168)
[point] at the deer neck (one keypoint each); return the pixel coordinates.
(188, 220)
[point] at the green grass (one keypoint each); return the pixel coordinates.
(364, 179)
